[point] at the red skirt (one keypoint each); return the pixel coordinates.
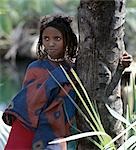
(20, 138)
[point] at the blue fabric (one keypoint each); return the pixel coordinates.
(40, 103)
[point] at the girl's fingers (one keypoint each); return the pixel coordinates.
(127, 56)
(126, 60)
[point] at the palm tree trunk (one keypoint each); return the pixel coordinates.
(101, 30)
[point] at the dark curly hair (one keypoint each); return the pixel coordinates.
(62, 23)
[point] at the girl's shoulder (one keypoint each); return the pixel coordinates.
(33, 64)
(40, 64)
(37, 64)
(70, 64)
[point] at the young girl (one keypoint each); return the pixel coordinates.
(42, 111)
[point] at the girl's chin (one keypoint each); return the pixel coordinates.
(55, 57)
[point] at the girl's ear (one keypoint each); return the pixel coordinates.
(66, 48)
(65, 44)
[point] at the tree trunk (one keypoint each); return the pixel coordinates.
(101, 33)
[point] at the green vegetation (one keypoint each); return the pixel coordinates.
(131, 28)
(131, 102)
(14, 11)
(105, 141)
(9, 83)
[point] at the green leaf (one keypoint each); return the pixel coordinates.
(121, 134)
(78, 136)
(128, 143)
(95, 118)
(117, 115)
(5, 23)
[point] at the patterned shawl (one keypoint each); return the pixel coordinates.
(42, 105)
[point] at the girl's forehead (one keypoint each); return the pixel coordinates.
(51, 30)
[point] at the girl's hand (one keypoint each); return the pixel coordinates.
(126, 60)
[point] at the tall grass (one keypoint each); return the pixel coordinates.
(131, 102)
(105, 141)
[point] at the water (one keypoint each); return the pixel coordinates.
(11, 78)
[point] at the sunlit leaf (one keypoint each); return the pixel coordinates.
(77, 136)
(127, 144)
(121, 134)
(117, 115)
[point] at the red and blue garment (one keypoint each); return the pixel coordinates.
(42, 105)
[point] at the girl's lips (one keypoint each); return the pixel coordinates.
(51, 49)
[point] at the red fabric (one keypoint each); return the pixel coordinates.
(20, 138)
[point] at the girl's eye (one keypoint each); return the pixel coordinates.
(58, 38)
(46, 38)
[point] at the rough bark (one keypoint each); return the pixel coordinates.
(101, 46)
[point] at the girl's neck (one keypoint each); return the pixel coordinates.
(56, 60)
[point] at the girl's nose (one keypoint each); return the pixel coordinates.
(51, 43)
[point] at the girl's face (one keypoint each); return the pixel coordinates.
(54, 42)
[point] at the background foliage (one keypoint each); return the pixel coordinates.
(130, 27)
(14, 11)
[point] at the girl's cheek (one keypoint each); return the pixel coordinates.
(44, 43)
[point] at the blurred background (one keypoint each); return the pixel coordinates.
(19, 27)
(19, 22)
